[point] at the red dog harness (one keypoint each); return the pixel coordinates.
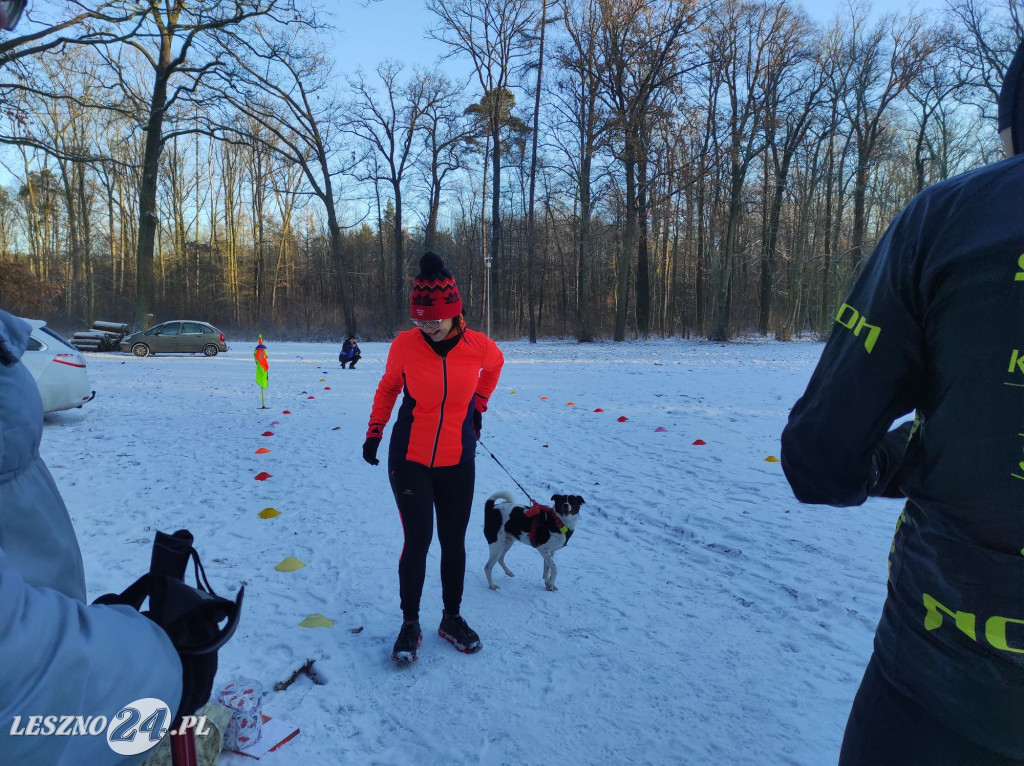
(539, 513)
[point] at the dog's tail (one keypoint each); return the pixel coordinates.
(492, 515)
(502, 495)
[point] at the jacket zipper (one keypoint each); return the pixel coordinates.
(444, 398)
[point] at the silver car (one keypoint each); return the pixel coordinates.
(177, 337)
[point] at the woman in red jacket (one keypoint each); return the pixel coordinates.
(446, 372)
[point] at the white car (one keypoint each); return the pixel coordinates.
(58, 367)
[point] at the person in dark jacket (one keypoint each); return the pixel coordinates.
(349, 353)
(933, 325)
(446, 372)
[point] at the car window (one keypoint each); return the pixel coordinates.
(34, 345)
(206, 328)
(171, 328)
(190, 327)
(57, 338)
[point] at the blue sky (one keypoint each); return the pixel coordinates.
(369, 33)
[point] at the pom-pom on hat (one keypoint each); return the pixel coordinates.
(434, 292)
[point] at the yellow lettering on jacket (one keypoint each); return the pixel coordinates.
(852, 319)
(1016, 362)
(965, 621)
(995, 633)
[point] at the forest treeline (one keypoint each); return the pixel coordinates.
(610, 169)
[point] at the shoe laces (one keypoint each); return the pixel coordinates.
(409, 629)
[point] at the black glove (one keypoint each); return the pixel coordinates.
(478, 419)
(190, 620)
(197, 674)
(887, 460)
(190, 616)
(370, 450)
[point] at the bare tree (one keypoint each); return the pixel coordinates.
(578, 88)
(879, 61)
(386, 124)
(793, 85)
(986, 34)
(446, 134)
(531, 236)
(494, 35)
(641, 50)
(182, 43)
(284, 83)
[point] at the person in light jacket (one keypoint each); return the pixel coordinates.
(58, 655)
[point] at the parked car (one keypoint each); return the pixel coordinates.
(58, 367)
(177, 337)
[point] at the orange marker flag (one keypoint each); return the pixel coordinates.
(262, 369)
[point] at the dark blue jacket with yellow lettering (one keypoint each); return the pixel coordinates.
(935, 325)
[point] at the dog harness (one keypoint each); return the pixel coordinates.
(541, 514)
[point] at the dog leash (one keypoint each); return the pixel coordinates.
(481, 443)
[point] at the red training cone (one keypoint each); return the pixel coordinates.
(262, 476)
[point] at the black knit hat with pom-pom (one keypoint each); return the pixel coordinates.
(434, 292)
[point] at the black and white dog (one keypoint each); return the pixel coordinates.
(546, 529)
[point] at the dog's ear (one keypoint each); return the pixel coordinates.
(555, 497)
(579, 500)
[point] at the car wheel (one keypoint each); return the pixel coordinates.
(140, 350)
(210, 350)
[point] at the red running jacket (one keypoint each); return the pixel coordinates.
(435, 420)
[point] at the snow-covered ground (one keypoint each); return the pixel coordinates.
(703, 616)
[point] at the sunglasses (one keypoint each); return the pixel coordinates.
(431, 325)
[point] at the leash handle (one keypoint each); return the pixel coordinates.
(481, 443)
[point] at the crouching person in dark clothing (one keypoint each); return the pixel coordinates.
(933, 326)
(349, 353)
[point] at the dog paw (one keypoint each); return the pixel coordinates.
(551, 587)
(494, 587)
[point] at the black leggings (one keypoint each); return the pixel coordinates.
(887, 728)
(418, 491)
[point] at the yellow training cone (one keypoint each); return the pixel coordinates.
(290, 564)
(316, 621)
(269, 513)
(771, 459)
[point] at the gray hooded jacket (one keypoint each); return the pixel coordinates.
(58, 656)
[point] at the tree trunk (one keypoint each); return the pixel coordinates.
(400, 309)
(148, 220)
(531, 244)
(495, 307)
(628, 239)
(643, 277)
